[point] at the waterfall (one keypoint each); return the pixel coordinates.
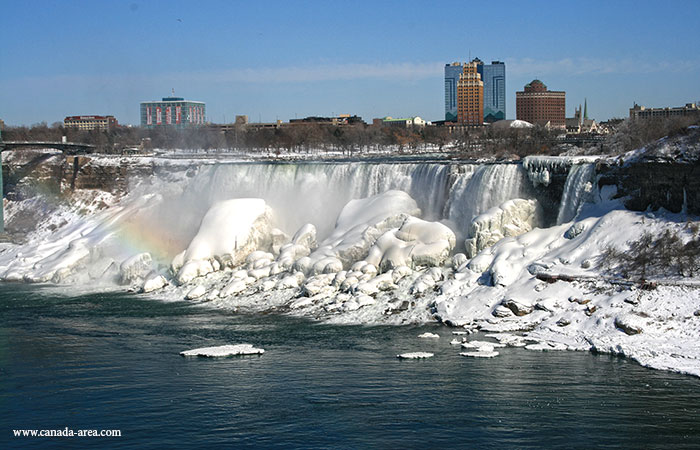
(301, 193)
(316, 192)
(576, 191)
(487, 186)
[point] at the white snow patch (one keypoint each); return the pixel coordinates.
(224, 350)
(415, 355)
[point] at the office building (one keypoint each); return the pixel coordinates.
(470, 96)
(88, 123)
(452, 74)
(173, 111)
(494, 77)
(540, 106)
(641, 112)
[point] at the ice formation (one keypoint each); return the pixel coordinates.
(224, 350)
(230, 231)
(381, 243)
(512, 218)
(415, 355)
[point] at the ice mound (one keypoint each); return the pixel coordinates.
(230, 231)
(429, 336)
(415, 243)
(224, 350)
(415, 355)
(361, 222)
(512, 218)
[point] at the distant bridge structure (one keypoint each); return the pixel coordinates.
(69, 148)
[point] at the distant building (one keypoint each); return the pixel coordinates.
(580, 123)
(470, 95)
(173, 111)
(540, 106)
(343, 119)
(452, 74)
(641, 112)
(88, 123)
(494, 77)
(402, 123)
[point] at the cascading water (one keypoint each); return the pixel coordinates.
(576, 191)
(316, 192)
(482, 188)
(303, 193)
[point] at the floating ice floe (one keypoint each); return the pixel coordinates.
(546, 346)
(429, 336)
(415, 355)
(511, 340)
(480, 354)
(224, 350)
(482, 344)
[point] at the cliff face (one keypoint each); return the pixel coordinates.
(27, 173)
(654, 185)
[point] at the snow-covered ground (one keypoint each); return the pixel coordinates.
(351, 244)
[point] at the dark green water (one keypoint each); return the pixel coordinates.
(110, 361)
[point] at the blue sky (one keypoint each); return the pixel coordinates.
(279, 60)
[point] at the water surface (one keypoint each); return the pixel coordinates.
(110, 361)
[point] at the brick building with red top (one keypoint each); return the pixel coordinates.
(537, 105)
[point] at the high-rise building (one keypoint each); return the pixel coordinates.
(494, 77)
(538, 105)
(452, 73)
(172, 111)
(470, 96)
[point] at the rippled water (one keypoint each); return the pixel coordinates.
(110, 361)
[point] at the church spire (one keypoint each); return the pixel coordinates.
(585, 108)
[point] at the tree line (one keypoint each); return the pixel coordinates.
(354, 139)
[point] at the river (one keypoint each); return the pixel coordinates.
(111, 361)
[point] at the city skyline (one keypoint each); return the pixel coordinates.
(281, 61)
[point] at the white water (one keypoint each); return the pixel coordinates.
(576, 191)
(315, 193)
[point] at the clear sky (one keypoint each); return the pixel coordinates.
(284, 59)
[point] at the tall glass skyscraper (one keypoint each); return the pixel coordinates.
(494, 77)
(452, 73)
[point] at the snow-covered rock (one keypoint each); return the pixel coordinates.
(197, 292)
(512, 218)
(135, 268)
(154, 282)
